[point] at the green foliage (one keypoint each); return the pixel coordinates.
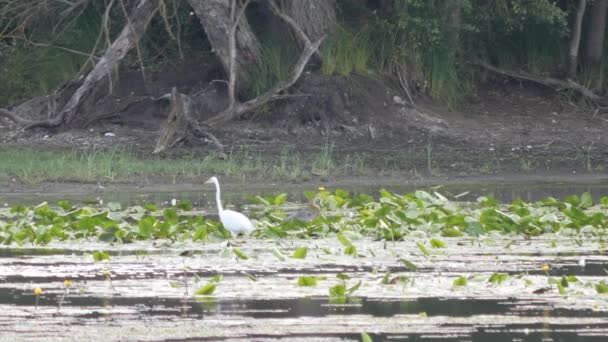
(391, 217)
(498, 278)
(519, 33)
(101, 256)
(347, 52)
(460, 281)
(307, 281)
(300, 253)
(49, 44)
(278, 55)
(240, 254)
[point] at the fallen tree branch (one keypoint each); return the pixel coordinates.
(16, 119)
(546, 81)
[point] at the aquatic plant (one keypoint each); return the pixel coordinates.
(391, 217)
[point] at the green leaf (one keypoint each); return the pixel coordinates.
(240, 254)
(422, 249)
(574, 200)
(206, 290)
(474, 229)
(601, 288)
(586, 200)
(277, 253)
(307, 281)
(344, 240)
(354, 287)
(184, 205)
(451, 232)
(175, 284)
(386, 279)
(342, 193)
(350, 250)
(460, 281)
(170, 215)
(410, 265)
(280, 199)
(250, 276)
(65, 205)
(571, 279)
(498, 278)
(146, 226)
(561, 288)
(342, 276)
(100, 256)
(436, 243)
(366, 338)
(150, 207)
(216, 279)
(337, 291)
(300, 253)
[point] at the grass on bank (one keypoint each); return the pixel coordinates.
(29, 165)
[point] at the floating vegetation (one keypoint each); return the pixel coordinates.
(392, 217)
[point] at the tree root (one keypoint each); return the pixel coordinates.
(180, 125)
(554, 83)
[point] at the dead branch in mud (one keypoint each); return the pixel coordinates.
(546, 81)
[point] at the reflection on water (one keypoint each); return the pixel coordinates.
(303, 308)
(297, 307)
(204, 198)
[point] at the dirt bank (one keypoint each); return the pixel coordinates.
(505, 130)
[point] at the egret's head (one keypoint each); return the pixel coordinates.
(211, 180)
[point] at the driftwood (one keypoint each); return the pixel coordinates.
(181, 125)
(182, 121)
(128, 38)
(546, 81)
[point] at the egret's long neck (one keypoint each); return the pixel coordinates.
(217, 197)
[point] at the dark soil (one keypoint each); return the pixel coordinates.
(505, 128)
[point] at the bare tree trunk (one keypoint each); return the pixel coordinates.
(595, 38)
(128, 38)
(316, 17)
(215, 16)
(575, 39)
(181, 120)
(454, 21)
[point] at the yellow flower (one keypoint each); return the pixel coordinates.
(545, 268)
(321, 188)
(37, 291)
(67, 283)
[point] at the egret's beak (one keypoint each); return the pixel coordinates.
(208, 181)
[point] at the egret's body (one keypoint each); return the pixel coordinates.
(233, 221)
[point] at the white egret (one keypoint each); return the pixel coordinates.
(233, 221)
